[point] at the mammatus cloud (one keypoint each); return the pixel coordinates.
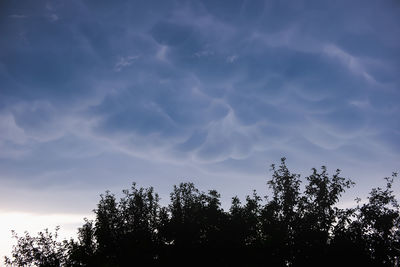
(106, 90)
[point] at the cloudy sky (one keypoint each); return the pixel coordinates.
(97, 94)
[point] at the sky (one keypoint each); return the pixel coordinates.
(95, 95)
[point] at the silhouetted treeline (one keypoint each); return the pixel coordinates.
(298, 225)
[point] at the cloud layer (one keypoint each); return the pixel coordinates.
(95, 94)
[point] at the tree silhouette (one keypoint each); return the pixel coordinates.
(42, 250)
(298, 225)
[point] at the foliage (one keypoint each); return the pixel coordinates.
(298, 226)
(42, 250)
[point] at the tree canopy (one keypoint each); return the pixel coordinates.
(298, 225)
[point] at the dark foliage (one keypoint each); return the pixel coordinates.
(294, 228)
